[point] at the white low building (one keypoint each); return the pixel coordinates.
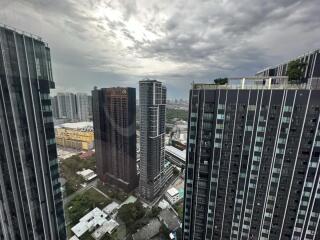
(111, 208)
(87, 174)
(176, 156)
(163, 204)
(108, 227)
(89, 222)
(173, 195)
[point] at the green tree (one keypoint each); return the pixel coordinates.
(130, 213)
(154, 212)
(221, 81)
(175, 172)
(295, 71)
(176, 113)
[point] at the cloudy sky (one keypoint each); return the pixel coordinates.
(108, 43)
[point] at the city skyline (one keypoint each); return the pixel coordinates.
(146, 119)
(117, 43)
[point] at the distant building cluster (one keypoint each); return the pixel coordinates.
(72, 107)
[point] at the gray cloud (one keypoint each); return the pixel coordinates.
(107, 43)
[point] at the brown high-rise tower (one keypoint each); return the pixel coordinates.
(114, 121)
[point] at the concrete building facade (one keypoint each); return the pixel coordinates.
(253, 163)
(152, 137)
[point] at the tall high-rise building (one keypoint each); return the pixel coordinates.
(31, 204)
(311, 71)
(90, 106)
(82, 100)
(55, 107)
(67, 106)
(252, 167)
(114, 121)
(152, 137)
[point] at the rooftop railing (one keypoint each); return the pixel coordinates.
(23, 33)
(278, 82)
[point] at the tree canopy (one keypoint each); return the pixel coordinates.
(295, 71)
(130, 213)
(221, 81)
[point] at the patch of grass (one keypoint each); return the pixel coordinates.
(84, 203)
(69, 168)
(179, 208)
(114, 193)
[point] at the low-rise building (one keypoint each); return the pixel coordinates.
(75, 135)
(176, 156)
(163, 204)
(108, 227)
(111, 208)
(87, 174)
(169, 219)
(148, 231)
(89, 222)
(173, 195)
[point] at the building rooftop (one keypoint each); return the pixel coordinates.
(23, 33)
(172, 191)
(297, 57)
(110, 208)
(258, 82)
(88, 174)
(149, 81)
(177, 152)
(107, 227)
(94, 218)
(170, 219)
(76, 125)
(130, 199)
(163, 204)
(148, 231)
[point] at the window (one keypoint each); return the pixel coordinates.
(220, 116)
(287, 109)
(248, 128)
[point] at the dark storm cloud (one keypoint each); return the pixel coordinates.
(109, 43)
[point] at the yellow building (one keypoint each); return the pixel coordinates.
(75, 135)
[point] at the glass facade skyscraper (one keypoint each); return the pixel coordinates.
(253, 163)
(31, 204)
(114, 121)
(152, 137)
